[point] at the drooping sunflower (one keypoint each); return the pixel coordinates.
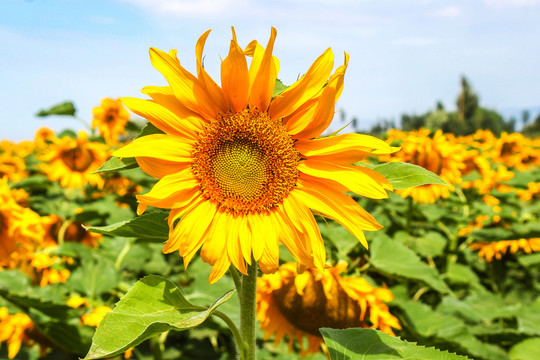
(240, 167)
(298, 305)
(110, 119)
(72, 162)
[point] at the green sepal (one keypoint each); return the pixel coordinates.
(115, 164)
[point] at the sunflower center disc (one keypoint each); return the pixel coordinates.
(77, 159)
(245, 162)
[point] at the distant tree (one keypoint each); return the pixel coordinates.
(525, 117)
(467, 101)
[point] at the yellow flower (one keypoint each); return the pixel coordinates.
(440, 155)
(77, 302)
(110, 119)
(13, 330)
(43, 137)
(73, 161)
(498, 248)
(21, 229)
(532, 191)
(240, 169)
(298, 305)
(95, 317)
(72, 231)
(11, 162)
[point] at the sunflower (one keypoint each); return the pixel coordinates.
(298, 305)
(73, 161)
(11, 162)
(110, 119)
(21, 229)
(13, 330)
(440, 155)
(240, 168)
(489, 250)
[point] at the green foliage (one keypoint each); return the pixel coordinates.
(403, 175)
(66, 109)
(115, 164)
(372, 344)
(149, 227)
(152, 306)
(403, 262)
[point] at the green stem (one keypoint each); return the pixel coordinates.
(156, 348)
(247, 310)
(242, 346)
(121, 256)
(236, 279)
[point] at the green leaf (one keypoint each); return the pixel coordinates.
(149, 129)
(116, 164)
(65, 108)
(392, 257)
(152, 306)
(403, 175)
(526, 350)
(94, 277)
(430, 244)
(279, 87)
(528, 318)
(529, 259)
(150, 227)
(369, 344)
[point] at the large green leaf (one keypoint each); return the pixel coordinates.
(94, 277)
(369, 344)
(403, 175)
(65, 108)
(116, 164)
(150, 227)
(392, 257)
(526, 350)
(152, 306)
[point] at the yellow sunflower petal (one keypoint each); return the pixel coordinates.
(219, 269)
(163, 118)
(186, 87)
(213, 89)
(172, 191)
(337, 206)
(265, 79)
(355, 178)
(343, 149)
(269, 261)
(324, 114)
(214, 247)
(158, 146)
(235, 78)
(305, 88)
(234, 248)
(159, 168)
(244, 235)
(304, 221)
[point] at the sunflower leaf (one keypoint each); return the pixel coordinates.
(116, 164)
(403, 175)
(152, 306)
(404, 262)
(66, 108)
(150, 227)
(373, 344)
(526, 350)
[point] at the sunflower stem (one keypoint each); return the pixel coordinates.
(236, 279)
(242, 346)
(247, 294)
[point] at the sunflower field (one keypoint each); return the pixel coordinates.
(100, 230)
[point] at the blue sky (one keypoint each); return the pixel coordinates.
(405, 55)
